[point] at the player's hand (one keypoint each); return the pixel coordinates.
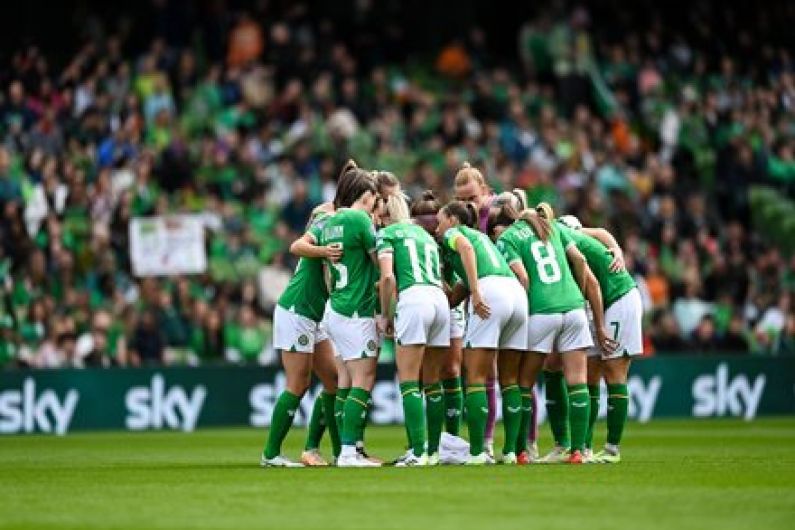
(607, 344)
(480, 306)
(617, 264)
(385, 326)
(332, 252)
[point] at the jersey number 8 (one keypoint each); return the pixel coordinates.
(546, 264)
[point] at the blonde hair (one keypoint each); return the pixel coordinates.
(545, 211)
(466, 172)
(397, 207)
(539, 224)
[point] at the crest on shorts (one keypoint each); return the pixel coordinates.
(371, 345)
(303, 340)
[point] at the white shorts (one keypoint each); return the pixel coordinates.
(296, 333)
(559, 332)
(624, 323)
(353, 338)
(458, 322)
(506, 327)
(422, 317)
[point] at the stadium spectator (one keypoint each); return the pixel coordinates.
(663, 140)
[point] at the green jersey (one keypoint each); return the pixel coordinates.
(306, 294)
(353, 278)
(552, 287)
(489, 261)
(614, 285)
(415, 255)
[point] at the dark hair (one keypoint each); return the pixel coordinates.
(503, 215)
(385, 179)
(353, 183)
(427, 204)
(465, 212)
(424, 211)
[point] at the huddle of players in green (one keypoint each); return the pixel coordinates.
(525, 282)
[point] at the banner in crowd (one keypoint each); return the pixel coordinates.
(167, 245)
(62, 401)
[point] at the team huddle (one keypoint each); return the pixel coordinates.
(478, 292)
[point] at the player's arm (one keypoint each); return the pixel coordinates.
(467, 252)
(607, 239)
(593, 293)
(306, 247)
(456, 294)
(521, 273)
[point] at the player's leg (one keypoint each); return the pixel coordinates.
(409, 362)
(508, 362)
(529, 369)
(326, 370)
(478, 363)
(434, 398)
(491, 419)
(343, 388)
(574, 341)
(450, 375)
(624, 316)
(594, 380)
(557, 405)
(615, 374)
(362, 373)
(314, 432)
(298, 369)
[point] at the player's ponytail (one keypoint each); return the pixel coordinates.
(396, 207)
(503, 215)
(350, 184)
(464, 212)
(545, 210)
(540, 226)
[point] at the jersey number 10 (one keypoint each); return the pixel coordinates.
(432, 271)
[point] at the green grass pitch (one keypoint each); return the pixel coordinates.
(720, 474)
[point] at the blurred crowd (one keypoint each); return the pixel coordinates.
(656, 136)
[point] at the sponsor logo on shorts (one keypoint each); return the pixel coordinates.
(303, 340)
(371, 345)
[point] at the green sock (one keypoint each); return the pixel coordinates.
(453, 404)
(434, 410)
(557, 401)
(329, 403)
(511, 416)
(360, 438)
(527, 417)
(339, 407)
(354, 415)
(282, 419)
(317, 425)
(477, 411)
(593, 391)
(617, 404)
(579, 404)
(414, 415)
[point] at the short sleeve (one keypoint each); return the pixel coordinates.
(367, 231)
(316, 229)
(450, 237)
(567, 238)
(383, 242)
(508, 249)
